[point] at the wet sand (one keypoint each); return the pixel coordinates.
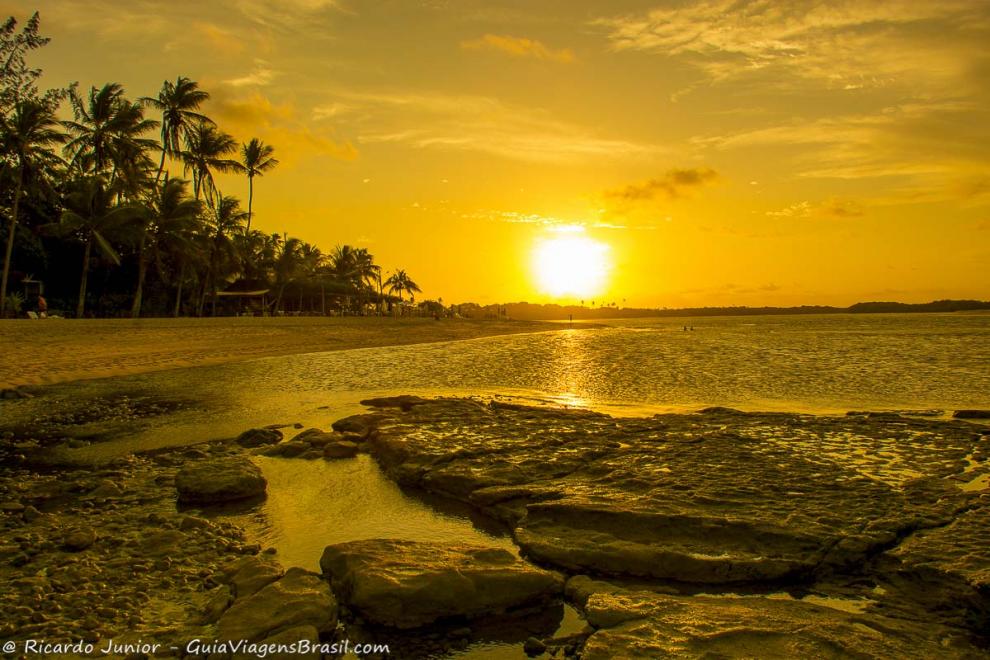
(59, 350)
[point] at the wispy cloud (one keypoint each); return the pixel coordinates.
(255, 115)
(475, 123)
(260, 76)
(672, 185)
(832, 207)
(937, 145)
(847, 44)
(290, 15)
(520, 47)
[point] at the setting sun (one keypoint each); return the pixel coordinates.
(571, 266)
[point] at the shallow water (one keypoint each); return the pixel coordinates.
(822, 364)
(313, 504)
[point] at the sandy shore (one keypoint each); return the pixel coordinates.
(57, 351)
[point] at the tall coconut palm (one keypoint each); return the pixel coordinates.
(256, 159)
(399, 281)
(93, 217)
(28, 135)
(226, 220)
(106, 127)
(178, 103)
(207, 151)
(165, 209)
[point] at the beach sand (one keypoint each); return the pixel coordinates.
(59, 350)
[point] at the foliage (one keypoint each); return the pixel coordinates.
(13, 303)
(19, 81)
(106, 204)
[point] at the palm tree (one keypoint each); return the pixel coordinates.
(400, 282)
(28, 134)
(207, 150)
(166, 209)
(106, 128)
(226, 221)
(256, 159)
(177, 102)
(311, 262)
(93, 217)
(287, 265)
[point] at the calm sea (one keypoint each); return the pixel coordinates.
(826, 364)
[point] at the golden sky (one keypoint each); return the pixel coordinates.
(717, 152)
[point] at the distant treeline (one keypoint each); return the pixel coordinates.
(529, 311)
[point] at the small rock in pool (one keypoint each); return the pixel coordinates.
(259, 437)
(219, 480)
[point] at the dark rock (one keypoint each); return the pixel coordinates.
(259, 437)
(105, 489)
(340, 449)
(253, 574)
(971, 414)
(533, 646)
(299, 598)
(358, 425)
(293, 448)
(407, 584)
(79, 539)
(217, 602)
(11, 507)
(404, 402)
(219, 480)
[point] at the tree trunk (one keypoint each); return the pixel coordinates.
(142, 267)
(81, 306)
(10, 238)
(161, 167)
(323, 299)
(278, 300)
(250, 199)
(178, 293)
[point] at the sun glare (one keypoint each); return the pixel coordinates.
(571, 265)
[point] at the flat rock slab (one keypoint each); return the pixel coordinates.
(642, 624)
(719, 497)
(407, 584)
(299, 600)
(219, 480)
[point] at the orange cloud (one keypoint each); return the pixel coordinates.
(672, 185)
(219, 40)
(254, 115)
(520, 47)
